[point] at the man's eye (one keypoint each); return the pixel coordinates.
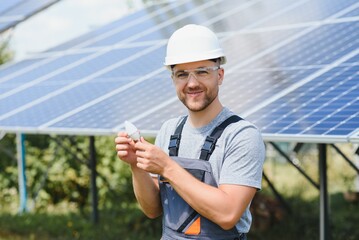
(182, 75)
(201, 72)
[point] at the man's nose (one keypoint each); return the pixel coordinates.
(192, 78)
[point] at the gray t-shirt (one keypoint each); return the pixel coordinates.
(237, 158)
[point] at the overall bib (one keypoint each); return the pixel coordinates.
(180, 221)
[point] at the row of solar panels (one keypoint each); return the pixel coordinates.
(292, 70)
(13, 12)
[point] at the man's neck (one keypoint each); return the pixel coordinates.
(204, 117)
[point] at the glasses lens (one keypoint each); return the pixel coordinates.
(181, 75)
(199, 73)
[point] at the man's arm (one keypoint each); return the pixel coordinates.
(224, 205)
(146, 190)
(145, 187)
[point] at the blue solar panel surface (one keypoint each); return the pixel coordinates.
(15, 11)
(292, 70)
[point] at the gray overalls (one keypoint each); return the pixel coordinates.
(180, 221)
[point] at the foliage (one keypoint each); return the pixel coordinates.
(303, 222)
(58, 183)
(57, 170)
(5, 53)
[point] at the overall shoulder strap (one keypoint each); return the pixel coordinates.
(176, 138)
(210, 142)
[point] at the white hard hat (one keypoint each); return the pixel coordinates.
(193, 43)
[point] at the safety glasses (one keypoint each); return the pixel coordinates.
(203, 73)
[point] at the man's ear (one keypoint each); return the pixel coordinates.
(220, 76)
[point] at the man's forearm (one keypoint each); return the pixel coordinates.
(223, 205)
(147, 192)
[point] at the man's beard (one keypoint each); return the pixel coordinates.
(197, 106)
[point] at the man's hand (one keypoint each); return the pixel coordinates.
(145, 186)
(125, 148)
(151, 158)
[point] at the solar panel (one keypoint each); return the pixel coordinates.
(295, 75)
(326, 107)
(15, 11)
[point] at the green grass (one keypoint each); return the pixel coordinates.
(112, 225)
(303, 223)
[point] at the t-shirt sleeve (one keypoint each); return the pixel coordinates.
(244, 157)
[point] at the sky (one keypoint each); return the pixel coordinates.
(66, 20)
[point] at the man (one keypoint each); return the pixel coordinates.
(202, 193)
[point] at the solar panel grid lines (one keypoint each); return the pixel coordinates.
(152, 123)
(253, 27)
(147, 113)
(245, 86)
(269, 61)
(13, 12)
(132, 102)
(22, 108)
(182, 16)
(7, 69)
(315, 11)
(116, 46)
(144, 32)
(322, 106)
(24, 70)
(353, 13)
(173, 20)
(319, 110)
(270, 50)
(50, 74)
(354, 118)
(21, 87)
(345, 11)
(301, 83)
(97, 100)
(230, 12)
(294, 38)
(120, 28)
(61, 82)
(74, 84)
(323, 46)
(313, 26)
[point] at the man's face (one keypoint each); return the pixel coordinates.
(197, 83)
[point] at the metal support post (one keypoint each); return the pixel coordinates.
(94, 196)
(21, 164)
(356, 161)
(324, 215)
